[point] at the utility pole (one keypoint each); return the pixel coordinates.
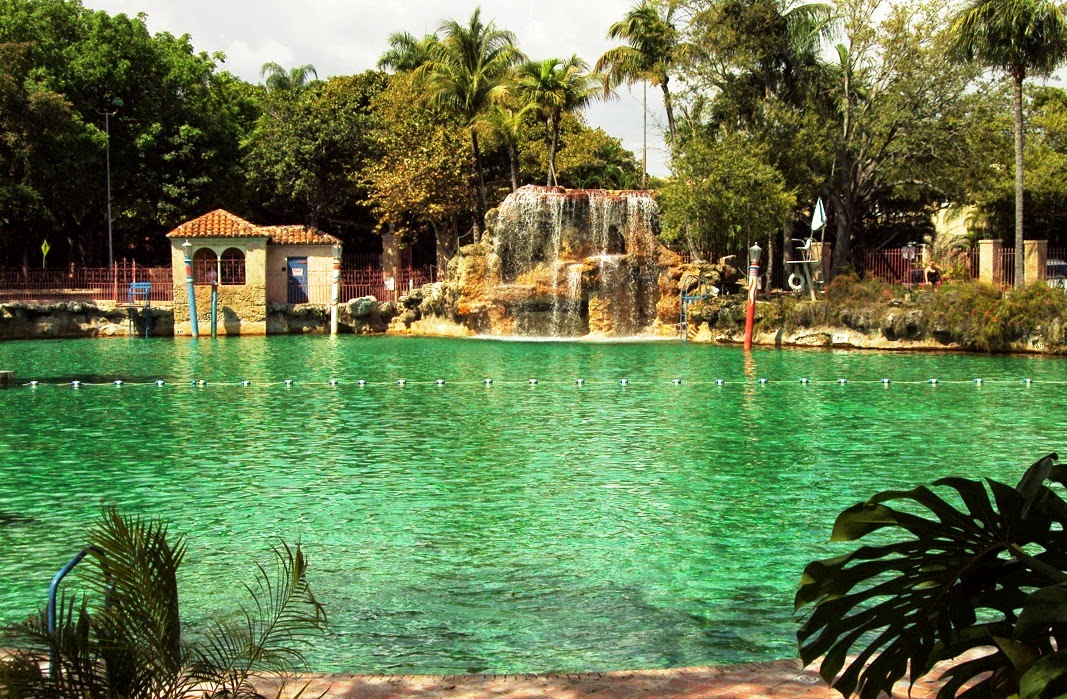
(107, 133)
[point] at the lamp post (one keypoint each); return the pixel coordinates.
(107, 159)
(335, 291)
(187, 249)
(753, 280)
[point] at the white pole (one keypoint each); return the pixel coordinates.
(335, 292)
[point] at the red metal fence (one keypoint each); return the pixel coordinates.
(115, 284)
(91, 284)
(355, 283)
(904, 266)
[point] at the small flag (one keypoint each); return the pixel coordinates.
(818, 219)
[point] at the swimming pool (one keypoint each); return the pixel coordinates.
(506, 527)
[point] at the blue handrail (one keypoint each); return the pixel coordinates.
(52, 590)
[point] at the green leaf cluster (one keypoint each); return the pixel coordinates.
(982, 570)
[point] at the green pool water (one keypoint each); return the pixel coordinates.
(466, 528)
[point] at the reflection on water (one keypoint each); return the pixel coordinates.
(466, 528)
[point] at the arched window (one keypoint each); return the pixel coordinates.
(205, 266)
(232, 267)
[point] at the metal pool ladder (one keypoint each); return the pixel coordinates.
(694, 287)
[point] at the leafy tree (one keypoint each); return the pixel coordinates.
(900, 111)
(173, 143)
(590, 158)
(305, 156)
(587, 157)
(421, 179)
(1019, 37)
(653, 50)
(724, 196)
(554, 86)
(275, 77)
(759, 62)
(468, 67)
(42, 141)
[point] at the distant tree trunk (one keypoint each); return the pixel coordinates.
(1020, 261)
(447, 242)
(480, 203)
(770, 263)
(553, 143)
(668, 106)
(513, 157)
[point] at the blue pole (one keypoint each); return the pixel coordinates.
(214, 308)
(53, 664)
(187, 248)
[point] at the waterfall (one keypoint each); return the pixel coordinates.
(575, 262)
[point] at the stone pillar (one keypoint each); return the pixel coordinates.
(1035, 254)
(988, 257)
(390, 257)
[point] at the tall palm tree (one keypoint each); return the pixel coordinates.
(507, 123)
(653, 50)
(275, 77)
(466, 70)
(1019, 37)
(406, 52)
(555, 86)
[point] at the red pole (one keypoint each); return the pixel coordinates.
(753, 280)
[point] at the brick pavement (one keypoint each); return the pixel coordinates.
(779, 679)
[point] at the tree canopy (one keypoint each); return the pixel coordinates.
(887, 111)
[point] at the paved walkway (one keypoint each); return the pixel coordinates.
(778, 679)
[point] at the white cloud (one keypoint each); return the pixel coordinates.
(342, 38)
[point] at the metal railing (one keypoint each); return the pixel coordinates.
(113, 284)
(89, 284)
(1004, 270)
(892, 265)
(355, 283)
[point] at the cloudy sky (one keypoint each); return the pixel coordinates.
(342, 37)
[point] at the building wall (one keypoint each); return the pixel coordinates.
(320, 270)
(242, 308)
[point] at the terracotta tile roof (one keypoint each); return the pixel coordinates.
(217, 224)
(298, 235)
(222, 224)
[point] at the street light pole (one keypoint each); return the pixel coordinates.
(107, 156)
(753, 282)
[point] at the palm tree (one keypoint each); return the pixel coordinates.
(653, 50)
(278, 78)
(507, 123)
(1019, 37)
(555, 86)
(467, 68)
(406, 52)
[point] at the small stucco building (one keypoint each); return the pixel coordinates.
(254, 266)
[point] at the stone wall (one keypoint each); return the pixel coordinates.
(76, 319)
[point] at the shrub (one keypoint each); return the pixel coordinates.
(123, 639)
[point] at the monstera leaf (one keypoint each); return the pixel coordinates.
(941, 577)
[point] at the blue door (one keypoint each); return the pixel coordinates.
(297, 275)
